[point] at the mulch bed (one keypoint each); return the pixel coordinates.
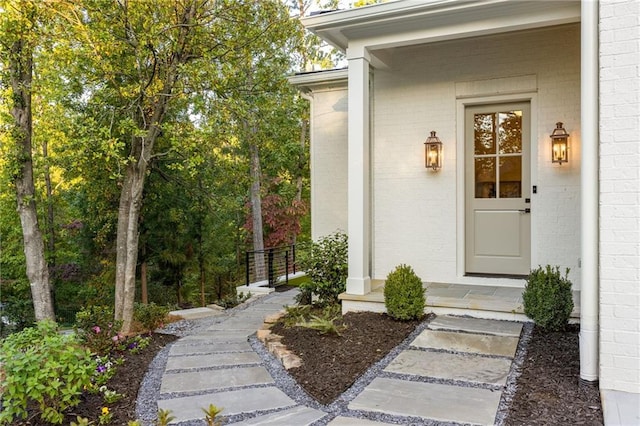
(549, 390)
(341, 359)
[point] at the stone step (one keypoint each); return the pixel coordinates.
(299, 416)
(198, 381)
(189, 362)
(464, 342)
(442, 365)
(429, 401)
(233, 402)
(476, 325)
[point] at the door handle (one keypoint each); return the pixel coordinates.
(527, 210)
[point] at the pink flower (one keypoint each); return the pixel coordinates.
(96, 329)
(115, 338)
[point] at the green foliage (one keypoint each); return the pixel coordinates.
(210, 415)
(97, 329)
(326, 265)
(547, 298)
(43, 369)
(150, 316)
(164, 417)
(296, 314)
(327, 322)
(233, 299)
(403, 294)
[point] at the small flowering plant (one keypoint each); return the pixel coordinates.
(105, 416)
(97, 329)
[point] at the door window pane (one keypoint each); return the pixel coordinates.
(485, 177)
(484, 134)
(510, 132)
(510, 177)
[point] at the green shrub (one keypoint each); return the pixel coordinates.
(327, 268)
(43, 369)
(547, 298)
(403, 294)
(150, 316)
(97, 329)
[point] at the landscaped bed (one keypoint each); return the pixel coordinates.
(547, 392)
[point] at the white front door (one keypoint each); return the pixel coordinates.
(498, 189)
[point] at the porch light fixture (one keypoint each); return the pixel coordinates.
(433, 152)
(559, 144)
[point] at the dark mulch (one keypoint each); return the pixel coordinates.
(341, 359)
(549, 390)
(126, 381)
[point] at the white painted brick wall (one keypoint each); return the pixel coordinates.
(415, 209)
(620, 195)
(329, 162)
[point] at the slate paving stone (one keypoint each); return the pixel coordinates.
(475, 325)
(429, 401)
(233, 402)
(211, 360)
(214, 336)
(464, 342)
(441, 365)
(209, 348)
(197, 381)
(299, 416)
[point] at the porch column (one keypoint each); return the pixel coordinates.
(358, 220)
(589, 294)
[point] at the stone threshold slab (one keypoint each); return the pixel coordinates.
(232, 402)
(197, 381)
(464, 342)
(475, 325)
(429, 401)
(441, 365)
(211, 360)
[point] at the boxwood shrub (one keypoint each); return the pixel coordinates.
(403, 294)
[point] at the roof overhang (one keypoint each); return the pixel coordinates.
(381, 27)
(320, 80)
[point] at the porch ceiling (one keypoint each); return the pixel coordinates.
(384, 26)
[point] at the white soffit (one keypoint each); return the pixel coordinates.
(411, 22)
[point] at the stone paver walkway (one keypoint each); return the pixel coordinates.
(453, 372)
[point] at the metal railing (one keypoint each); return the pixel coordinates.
(270, 266)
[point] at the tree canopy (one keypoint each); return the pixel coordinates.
(147, 122)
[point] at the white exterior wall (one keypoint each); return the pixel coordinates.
(415, 213)
(620, 195)
(329, 162)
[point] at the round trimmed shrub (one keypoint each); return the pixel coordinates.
(547, 298)
(403, 294)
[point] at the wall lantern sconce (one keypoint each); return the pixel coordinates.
(559, 144)
(433, 152)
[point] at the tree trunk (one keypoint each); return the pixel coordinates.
(150, 117)
(21, 74)
(256, 212)
(127, 241)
